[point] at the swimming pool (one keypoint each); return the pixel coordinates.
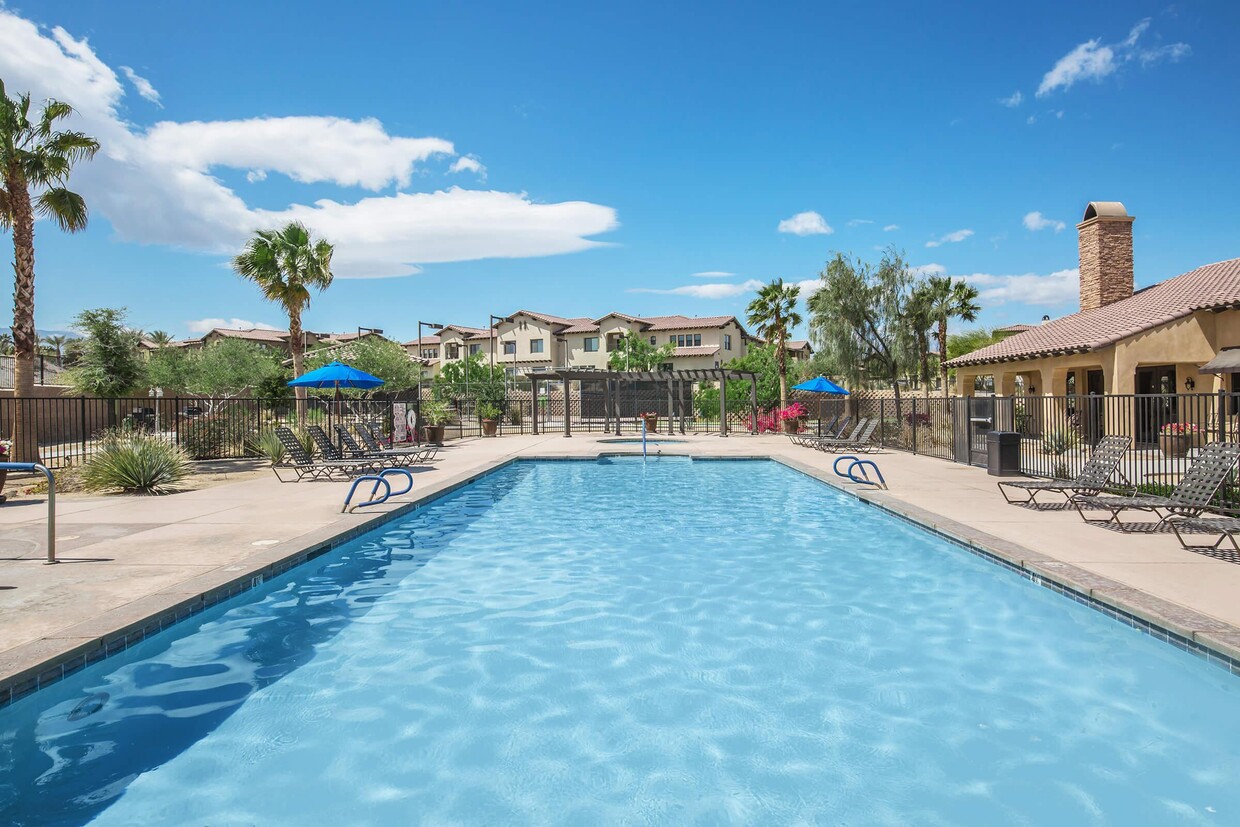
(670, 642)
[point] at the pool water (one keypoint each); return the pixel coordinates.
(629, 642)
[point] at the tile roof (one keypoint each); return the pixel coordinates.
(700, 350)
(425, 340)
(253, 334)
(1016, 328)
(471, 332)
(797, 344)
(681, 322)
(1214, 286)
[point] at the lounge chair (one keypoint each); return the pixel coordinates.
(325, 445)
(1190, 497)
(370, 438)
(1103, 462)
(305, 466)
(834, 430)
(394, 456)
(858, 440)
(1226, 527)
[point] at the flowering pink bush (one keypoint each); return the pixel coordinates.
(794, 411)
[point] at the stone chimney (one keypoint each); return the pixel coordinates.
(1106, 254)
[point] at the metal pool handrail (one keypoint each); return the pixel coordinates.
(51, 501)
(380, 481)
(860, 465)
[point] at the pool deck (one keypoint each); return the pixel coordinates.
(133, 564)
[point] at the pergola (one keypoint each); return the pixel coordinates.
(675, 380)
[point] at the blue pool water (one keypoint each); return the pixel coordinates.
(670, 642)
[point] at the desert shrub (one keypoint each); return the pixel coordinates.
(514, 413)
(268, 446)
(219, 435)
(134, 461)
(1059, 441)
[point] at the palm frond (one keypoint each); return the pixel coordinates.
(66, 208)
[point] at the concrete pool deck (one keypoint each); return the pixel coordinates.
(132, 564)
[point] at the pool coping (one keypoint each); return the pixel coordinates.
(27, 668)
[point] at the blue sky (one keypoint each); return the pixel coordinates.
(575, 159)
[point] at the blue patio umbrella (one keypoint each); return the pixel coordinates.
(820, 385)
(336, 375)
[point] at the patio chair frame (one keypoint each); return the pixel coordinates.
(1103, 463)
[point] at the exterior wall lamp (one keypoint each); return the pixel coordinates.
(1189, 384)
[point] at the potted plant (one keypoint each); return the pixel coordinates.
(1175, 439)
(489, 413)
(792, 417)
(651, 418)
(5, 445)
(435, 414)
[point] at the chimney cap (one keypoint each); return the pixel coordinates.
(1105, 209)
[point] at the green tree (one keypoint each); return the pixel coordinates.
(473, 376)
(958, 344)
(287, 264)
(858, 319)
(34, 155)
(374, 355)
(635, 353)
(918, 320)
(230, 367)
(169, 368)
(763, 361)
(57, 344)
(160, 338)
(110, 364)
(6, 344)
(946, 299)
(773, 314)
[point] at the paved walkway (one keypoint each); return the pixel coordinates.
(126, 559)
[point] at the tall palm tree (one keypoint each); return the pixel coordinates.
(773, 314)
(948, 298)
(34, 155)
(918, 320)
(287, 264)
(161, 338)
(57, 343)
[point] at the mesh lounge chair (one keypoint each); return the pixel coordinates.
(370, 438)
(1226, 527)
(1103, 462)
(1189, 498)
(305, 466)
(818, 441)
(858, 440)
(835, 430)
(395, 456)
(325, 445)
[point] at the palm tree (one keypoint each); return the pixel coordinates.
(6, 344)
(34, 154)
(286, 264)
(160, 338)
(918, 320)
(772, 314)
(57, 344)
(948, 298)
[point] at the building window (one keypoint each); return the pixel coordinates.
(591, 344)
(665, 366)
(536, 345)
(454, 351)
(727, 341)
(672, 340)
(510, 348)
(511, 372)
(654, 342)
(430, 353)
(984, 384)
(474, 350)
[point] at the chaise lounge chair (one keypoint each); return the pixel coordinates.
(1103, 462)
(370, 435)
(1190, 497)
(395, 456)
(1226, 527)
(305, 466)
(834, 430)
(858, 440)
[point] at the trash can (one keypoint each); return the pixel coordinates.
(1003, 454)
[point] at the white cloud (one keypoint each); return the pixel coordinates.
(928, 270)
(704, 291)
(1031, 120)
(950, 238)
(857, 222)
(1094, 60)
(713, 274)
(468, 163)
(206, 325)
(1057, 288)
(161, 185)
(891, 227)
(809, 287)
(1035, 221)
(143, 86)
(806, 223)
(1013, 100)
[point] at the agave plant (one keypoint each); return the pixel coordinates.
(268, 446)
(135, 462)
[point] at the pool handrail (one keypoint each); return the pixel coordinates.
(859, 464)
(51, 501)
(380, 481)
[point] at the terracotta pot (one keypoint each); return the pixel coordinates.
(433, 434)
(489, 427)
(791, 426)
(652, 424)
(1176, 445)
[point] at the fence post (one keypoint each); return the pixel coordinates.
(913, 420)
(882, 423)
(1223, 436)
